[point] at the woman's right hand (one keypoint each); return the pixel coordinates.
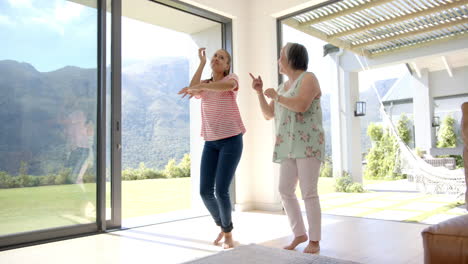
(257, 84)
(202, 55)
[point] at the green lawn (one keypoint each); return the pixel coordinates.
(34, 208)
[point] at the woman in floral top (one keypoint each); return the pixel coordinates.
(300, 145)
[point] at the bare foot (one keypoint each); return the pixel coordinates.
(228, 242)
(220, 236)
(296, 241)
(312, 248)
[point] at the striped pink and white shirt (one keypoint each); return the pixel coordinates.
(220, 113)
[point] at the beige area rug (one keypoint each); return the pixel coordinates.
(264, 255)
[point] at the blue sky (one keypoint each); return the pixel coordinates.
(48, 34)
(51, 34)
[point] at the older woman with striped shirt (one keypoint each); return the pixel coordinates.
(222, 130)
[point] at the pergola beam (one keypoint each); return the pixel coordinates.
(447, 66)
(416, 69)
(348, 11)
(419, 45)
(395, 20)
(411, 33)
(318, 34)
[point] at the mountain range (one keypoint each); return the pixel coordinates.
(155, 121)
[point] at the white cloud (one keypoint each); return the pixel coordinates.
(46, 21)
(4, 20)
(142, 41)
(55, 15)
(67, 11)
(20, 3)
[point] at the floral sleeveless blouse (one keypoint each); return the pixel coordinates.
(298, 135)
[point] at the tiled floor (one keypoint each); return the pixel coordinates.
(399, 206)
(350, 238)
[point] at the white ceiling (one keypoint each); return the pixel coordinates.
(157, 14)
(454, 59)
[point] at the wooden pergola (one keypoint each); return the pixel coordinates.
(377, 27)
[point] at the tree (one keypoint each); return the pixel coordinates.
(375, 132)
(403, 129)
(381, 159)
(184, 165)
(446, 137)
(172, 170)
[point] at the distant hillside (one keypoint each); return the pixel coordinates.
(33, 107)
(155, 121)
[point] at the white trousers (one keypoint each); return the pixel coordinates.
(306, 171)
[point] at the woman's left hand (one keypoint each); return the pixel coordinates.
(271, 93)
(195, 89)
(183, 91)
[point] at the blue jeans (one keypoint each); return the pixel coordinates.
(218, 165)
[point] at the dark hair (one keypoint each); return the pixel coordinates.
(297, 56)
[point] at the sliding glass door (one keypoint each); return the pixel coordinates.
(62, 80)
(50, 87)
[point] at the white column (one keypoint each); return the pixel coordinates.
(346, 128)
(335, 114)
(423, 112)
(353, 124)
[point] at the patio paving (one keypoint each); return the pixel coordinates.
(396, 206)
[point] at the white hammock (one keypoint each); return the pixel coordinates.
(429, 179)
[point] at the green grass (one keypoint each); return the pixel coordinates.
(34, 208)
(149, 197)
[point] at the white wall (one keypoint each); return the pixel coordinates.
(255, 50)
(441, 84)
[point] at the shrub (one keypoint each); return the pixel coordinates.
(458, 161)
(153, 174)
(172, 170)
(184, 165)
(403, 129)
(326, 170)
(4, 179)
(342, 183)
(63, 177)
(346, 184)
(382, 159)
(89, 176)
(446, 137)
(129, 175)
(355, 188)
(14, 182)
(47, 180)
(375, 132)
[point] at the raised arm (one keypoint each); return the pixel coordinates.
(196, 79)
(309, 90)
(219, 86)
(268, 109)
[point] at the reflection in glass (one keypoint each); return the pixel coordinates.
(48, 83)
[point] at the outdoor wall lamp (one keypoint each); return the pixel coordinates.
(360, 109)
(435, 121)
